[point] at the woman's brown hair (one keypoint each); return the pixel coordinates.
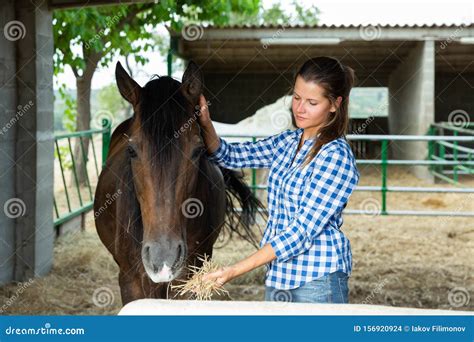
(337, 80)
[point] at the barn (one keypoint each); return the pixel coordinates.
(427, 70)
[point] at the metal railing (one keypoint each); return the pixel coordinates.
(438, 150)
(66, 159)
(63, 148)
(384, 162)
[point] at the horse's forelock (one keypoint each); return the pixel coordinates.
(163, 112)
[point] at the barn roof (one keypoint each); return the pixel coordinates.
(426, 25)
(373, 50)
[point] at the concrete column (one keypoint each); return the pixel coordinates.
(7, 142)
(27, 217)
(411, 99)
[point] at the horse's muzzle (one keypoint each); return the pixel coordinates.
(163, 260)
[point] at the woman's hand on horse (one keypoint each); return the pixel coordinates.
(204, 115)
(221, 276)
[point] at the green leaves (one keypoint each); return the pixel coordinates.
(276, 14)
(70, 112)
(103, 31)
(129, 29)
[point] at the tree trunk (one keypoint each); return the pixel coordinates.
(83, 84)
(82, 124)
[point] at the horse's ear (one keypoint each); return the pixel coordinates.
(192, 84)
(129, 89)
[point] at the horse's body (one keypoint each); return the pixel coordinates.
(160, 203)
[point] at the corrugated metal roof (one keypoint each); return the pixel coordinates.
(351, 26)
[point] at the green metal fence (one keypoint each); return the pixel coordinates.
(384, 162)
(453, 151)
(83, 195)
(434, 161)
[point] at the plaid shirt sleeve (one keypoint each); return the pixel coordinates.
(248, 154)
(327, 192)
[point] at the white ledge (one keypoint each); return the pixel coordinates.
(162, 307)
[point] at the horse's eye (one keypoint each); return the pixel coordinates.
(131, 152)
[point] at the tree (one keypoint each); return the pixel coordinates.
(276, 15)
(90, 37)
(111, 102)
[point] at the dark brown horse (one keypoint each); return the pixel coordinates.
(160, 203)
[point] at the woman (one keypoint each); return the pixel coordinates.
(312, 174)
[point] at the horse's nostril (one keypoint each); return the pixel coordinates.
(181, 255)
(146, 252)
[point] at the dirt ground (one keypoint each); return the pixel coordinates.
(410, 261)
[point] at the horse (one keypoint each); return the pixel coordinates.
(160, 203)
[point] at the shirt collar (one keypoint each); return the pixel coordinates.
(300, 131)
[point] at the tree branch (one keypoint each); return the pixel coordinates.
(74, 71)
(127, 64)
(91, 58)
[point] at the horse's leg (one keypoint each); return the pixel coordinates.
(130, 286)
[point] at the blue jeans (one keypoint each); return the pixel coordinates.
(331, 288)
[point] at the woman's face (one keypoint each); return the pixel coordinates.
(310, 107)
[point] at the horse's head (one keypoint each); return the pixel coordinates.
(163, 149)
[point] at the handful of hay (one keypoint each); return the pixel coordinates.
(198, 288)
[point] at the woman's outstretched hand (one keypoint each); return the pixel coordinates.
(257, 259)
(221, 276)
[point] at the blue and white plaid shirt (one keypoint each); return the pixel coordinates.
(304, 205)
